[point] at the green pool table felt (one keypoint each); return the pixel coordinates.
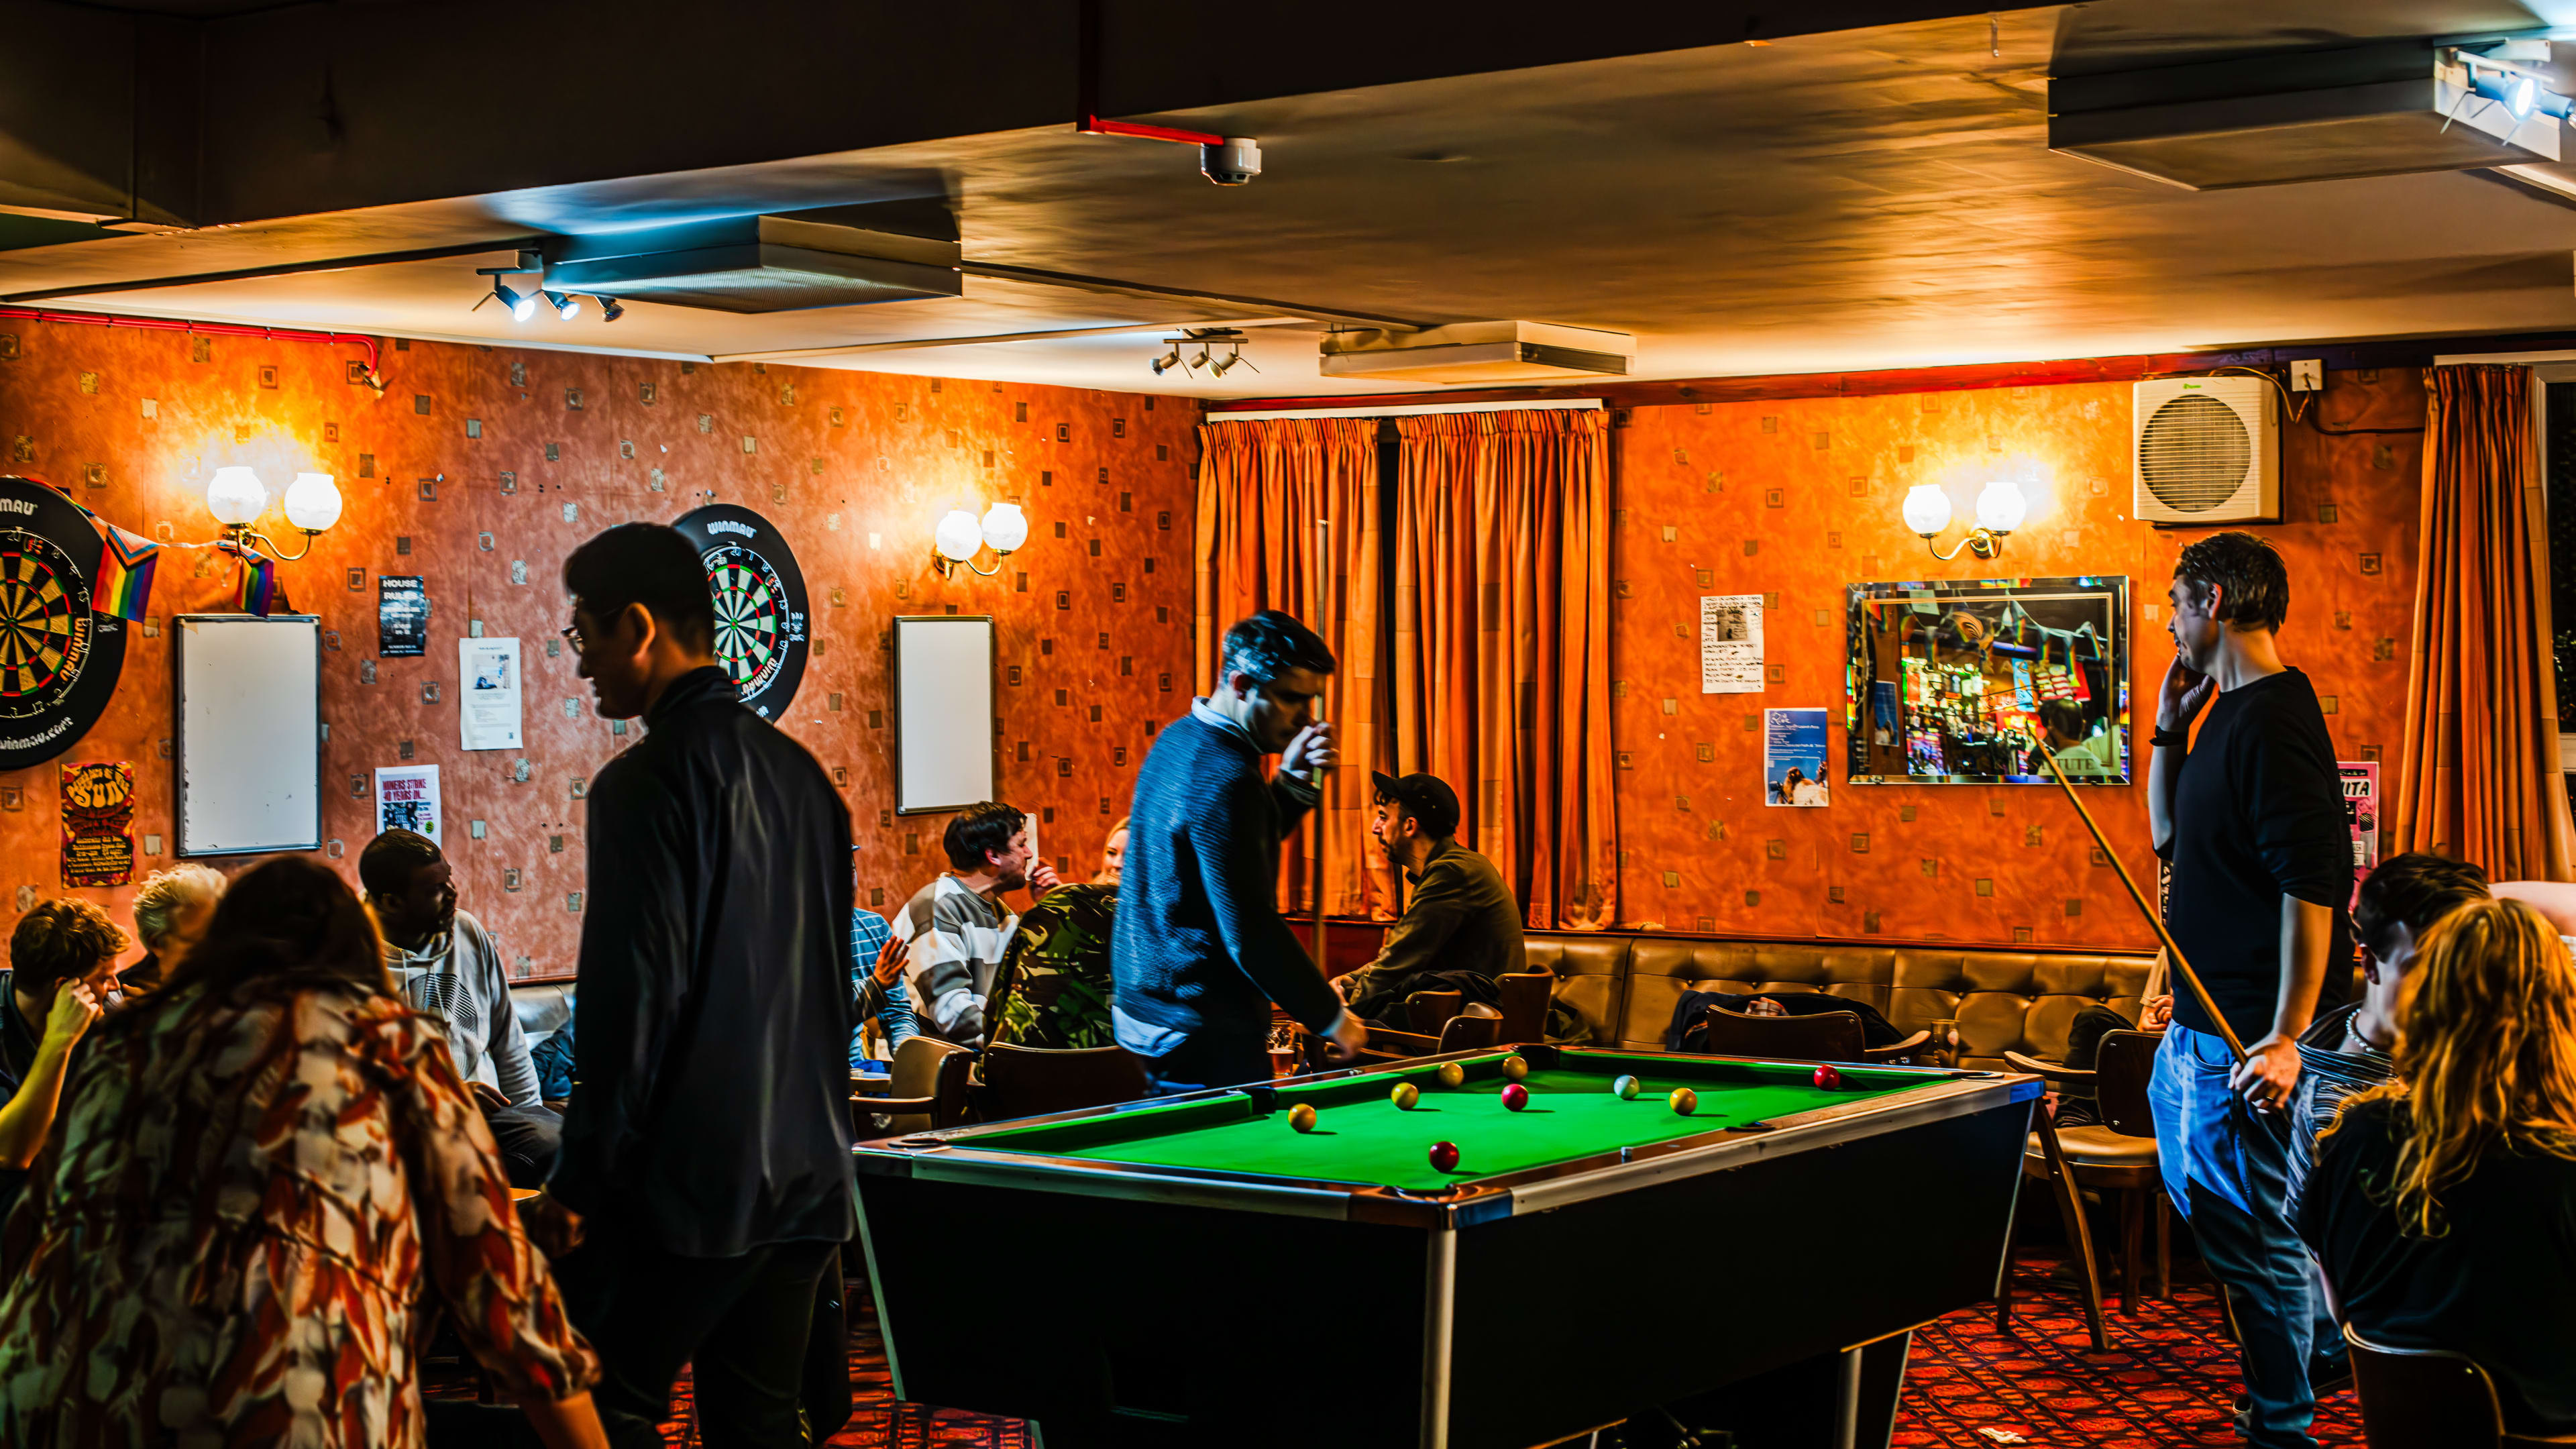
(1362, 1137)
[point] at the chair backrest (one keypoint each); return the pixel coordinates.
(928, 1067)
(1525, 996)
(1428, 1011)
(2423, 1398)
(2121, 1067)
(1473, 1029)
(1827, 1036)
(1030, 1082)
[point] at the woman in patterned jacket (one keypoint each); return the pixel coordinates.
(265, 1183)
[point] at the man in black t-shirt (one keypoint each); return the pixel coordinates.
(2250, 816)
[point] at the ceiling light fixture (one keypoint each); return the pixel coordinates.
(1201, 360)
(610, 309)
(1168, 360)
(566, 307)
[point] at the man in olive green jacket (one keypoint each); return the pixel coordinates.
(1461, 926)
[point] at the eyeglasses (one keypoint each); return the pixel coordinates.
(572, 636)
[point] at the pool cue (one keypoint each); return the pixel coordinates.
(2155, 918)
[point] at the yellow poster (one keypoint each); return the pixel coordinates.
(98, 824)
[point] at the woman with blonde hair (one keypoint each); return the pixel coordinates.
(266, 1177)
(2443, 1203)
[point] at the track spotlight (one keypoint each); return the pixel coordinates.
(1168, 361)
(2522, 96)
(1199, 361)
(610, 309)
(1232, 361)
(520, 307)
(566, 307)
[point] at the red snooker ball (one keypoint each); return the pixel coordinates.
(1828, 1078)
(1515, 1096)
(1444, 1157)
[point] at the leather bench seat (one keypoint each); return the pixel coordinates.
(542, 1006)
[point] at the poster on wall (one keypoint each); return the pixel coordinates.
(402, 617)
(488, 710)
(407, 799)
(98, 824)
(1730, 644)
(2361, 817)
(1793, 757)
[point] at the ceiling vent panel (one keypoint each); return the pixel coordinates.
(2381, 110)
(1480, 352)
(788, 262)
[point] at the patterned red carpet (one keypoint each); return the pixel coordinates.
(2167, 1383)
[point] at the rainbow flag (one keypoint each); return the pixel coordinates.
(257, 588)
(124, 571)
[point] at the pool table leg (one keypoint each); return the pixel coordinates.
(1439, 1310)
(1847, 1400)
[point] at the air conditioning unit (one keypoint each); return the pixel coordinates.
(2208, 451)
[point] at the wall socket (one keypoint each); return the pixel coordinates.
(2308, 374)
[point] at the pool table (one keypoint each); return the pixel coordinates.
(1195, 1271)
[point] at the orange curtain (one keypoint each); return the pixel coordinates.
(1288, 519)
(1499, 674)
(2480, 777)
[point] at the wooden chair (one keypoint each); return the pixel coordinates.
(926, 1091)
(1474, 1028)
(2116, 1158)
(1023, 1081)
(1525, 999)
(1428, 1011)
(2430, 1398)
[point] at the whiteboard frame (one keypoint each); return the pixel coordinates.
(894, 635)
(179, 734)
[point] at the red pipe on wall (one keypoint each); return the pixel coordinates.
(375, 378)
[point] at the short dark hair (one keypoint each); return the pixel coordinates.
(61, 940)
(652, 564)
(2253, 582)
(2418, 888)
(979, 829)
(2062, 715)
(390, 860)
(1268, 645)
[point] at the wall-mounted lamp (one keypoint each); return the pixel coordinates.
(2000, 507)
(957, 538)
(237, 498)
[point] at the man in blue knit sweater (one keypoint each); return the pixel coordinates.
(1200, 950)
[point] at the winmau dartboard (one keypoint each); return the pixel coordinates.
(58, 661)
(760, 603)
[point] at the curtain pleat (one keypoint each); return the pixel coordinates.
(2480, 776)
(1288, 519)
(1499, 670)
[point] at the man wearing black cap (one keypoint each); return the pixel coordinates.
(1461, 927)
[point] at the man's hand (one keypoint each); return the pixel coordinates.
(1347, 1034)
(554, 1228)
(889, 967)
(1311, 752)
(75, 1007)
(487, 1098)
(2155, 1013)
(1042, 877)
(2269, 1071)
(2185, 694)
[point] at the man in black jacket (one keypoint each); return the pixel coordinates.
(706, 1148)
(1199, 950)
(1461, 926)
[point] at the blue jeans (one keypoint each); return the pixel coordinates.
(2227, 1168)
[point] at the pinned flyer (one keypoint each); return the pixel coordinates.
(488, 699)
(1793, 757)
(407, 799)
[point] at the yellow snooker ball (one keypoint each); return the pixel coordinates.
(1404, 1096)
(1514, 1069)
(1684, 1100)
(1452, 1074)
(1302, 1117)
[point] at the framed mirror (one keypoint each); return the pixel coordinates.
(1959, 682)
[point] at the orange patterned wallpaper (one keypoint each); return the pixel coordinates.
(1793, 499)
(1092, 615)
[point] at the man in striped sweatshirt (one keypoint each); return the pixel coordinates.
(1200, 951)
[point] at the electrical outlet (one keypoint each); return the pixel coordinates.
(2307, 374)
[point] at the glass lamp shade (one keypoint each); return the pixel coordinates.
(2000, 506)
(957, 537)
(1005, 527)
(235, 496)
(1927, 509)
(313, 502)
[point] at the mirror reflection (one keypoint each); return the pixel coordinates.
(1966, 681)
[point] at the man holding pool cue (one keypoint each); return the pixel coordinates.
(2250, 817)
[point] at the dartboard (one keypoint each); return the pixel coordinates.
(58, 661)
(759, 603)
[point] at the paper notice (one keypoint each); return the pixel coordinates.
(488, 704)
(1730, 644)
(407, 799)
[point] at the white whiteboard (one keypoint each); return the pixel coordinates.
(249, 737)
(943, 712)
